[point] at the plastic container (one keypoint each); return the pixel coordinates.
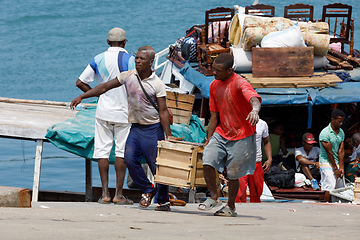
(336, 195)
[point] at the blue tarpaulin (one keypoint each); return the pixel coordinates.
(343, 93)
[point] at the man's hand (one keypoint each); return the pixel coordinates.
(317, 165)
(338, 173)
(75, 102)
(253, 117)
(266, 166)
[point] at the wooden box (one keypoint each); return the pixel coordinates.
(283, 62)
(180, 164)
(356, 197)
(181, 106)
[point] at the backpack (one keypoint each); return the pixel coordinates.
(280, 178)
(189, 49)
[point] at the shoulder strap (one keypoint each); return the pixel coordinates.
(146, 94)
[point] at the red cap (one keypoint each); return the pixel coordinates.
(309, 138)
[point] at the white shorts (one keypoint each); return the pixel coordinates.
(329, 181)
(105, 135)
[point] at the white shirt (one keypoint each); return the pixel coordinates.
(112, 105)
(313, 155)
(262, 131)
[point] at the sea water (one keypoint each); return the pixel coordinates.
(45, 45)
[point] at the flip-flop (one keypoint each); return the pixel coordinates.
(126, 202)
(225, 212)
(209, 204)
(102, 201)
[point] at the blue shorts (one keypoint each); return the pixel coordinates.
(239, 157)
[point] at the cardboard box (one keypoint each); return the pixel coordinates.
(180, 164)
(283, 62)
(181, 106)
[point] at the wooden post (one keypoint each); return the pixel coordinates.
(88, 180)
(37, 170)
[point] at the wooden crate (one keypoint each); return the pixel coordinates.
(283, 62)
(180, 165)
(181, 106)
(356, 197)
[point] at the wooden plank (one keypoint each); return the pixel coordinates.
(187, 98)
(179, 112)
(173, 164)
(172, 181)
(282, 62)
(40, 102)
(30, 121)
(181, 116)
(320, 79)
(179, 105)
(175, 146)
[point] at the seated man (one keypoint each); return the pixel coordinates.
(307, 160)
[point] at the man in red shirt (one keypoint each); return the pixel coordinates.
(231, 144)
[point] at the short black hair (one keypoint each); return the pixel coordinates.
(337, 113)
(149, 50)
(225, 59)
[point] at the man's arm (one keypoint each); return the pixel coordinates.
(304, 161)
(267, 149)
(328, 149)
(96, 91)
(164, 116)
(253, 116)
(214, 121)
(82, 86)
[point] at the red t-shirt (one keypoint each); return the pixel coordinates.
(230, 99)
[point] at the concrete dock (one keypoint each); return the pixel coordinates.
(269, 220)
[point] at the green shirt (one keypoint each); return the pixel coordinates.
(328, 135)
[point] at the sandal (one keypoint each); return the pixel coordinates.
(145, 201)
(102, 201)
(126, 202)
(165, 207)
(209, 204)
(225, 212)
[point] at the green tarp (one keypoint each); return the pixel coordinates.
(76, 135)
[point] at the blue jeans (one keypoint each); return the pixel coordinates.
(142, 142)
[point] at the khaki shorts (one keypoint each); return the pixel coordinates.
(239, 157)
(105, 135)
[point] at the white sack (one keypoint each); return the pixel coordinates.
(290, 37)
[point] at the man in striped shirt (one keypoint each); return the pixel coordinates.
(111, 124)
(332, 153)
